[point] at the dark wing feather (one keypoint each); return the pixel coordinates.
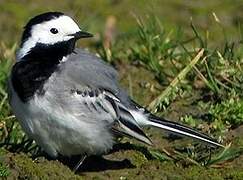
(88, 70)
(125, 123)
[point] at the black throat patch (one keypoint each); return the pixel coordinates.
(29, 74)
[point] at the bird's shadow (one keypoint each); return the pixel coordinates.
(98, 163)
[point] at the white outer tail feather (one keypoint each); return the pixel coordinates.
(143, 120)
(184, 133)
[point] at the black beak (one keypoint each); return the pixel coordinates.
(81, 34)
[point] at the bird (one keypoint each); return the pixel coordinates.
(69, 100)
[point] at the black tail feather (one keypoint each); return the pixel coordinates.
(181, 130)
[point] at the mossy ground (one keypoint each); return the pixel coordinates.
(132, 160)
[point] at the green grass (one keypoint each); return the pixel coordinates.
(4, 171)
(181, 63)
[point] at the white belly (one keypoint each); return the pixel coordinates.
(59, 131)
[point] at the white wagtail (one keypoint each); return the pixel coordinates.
(69, 100)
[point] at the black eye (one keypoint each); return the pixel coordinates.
(54, 30)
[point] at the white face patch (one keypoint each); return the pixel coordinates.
(41, 33)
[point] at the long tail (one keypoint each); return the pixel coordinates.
(180, 129)
(131, 120)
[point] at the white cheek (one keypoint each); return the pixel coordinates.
(46, 37)
(66, 38)
(40, 33)
(53, 38)
(49, 39)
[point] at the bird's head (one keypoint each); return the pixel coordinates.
(50, 31)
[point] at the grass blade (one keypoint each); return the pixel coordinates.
(155, 103)
(227, 154)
